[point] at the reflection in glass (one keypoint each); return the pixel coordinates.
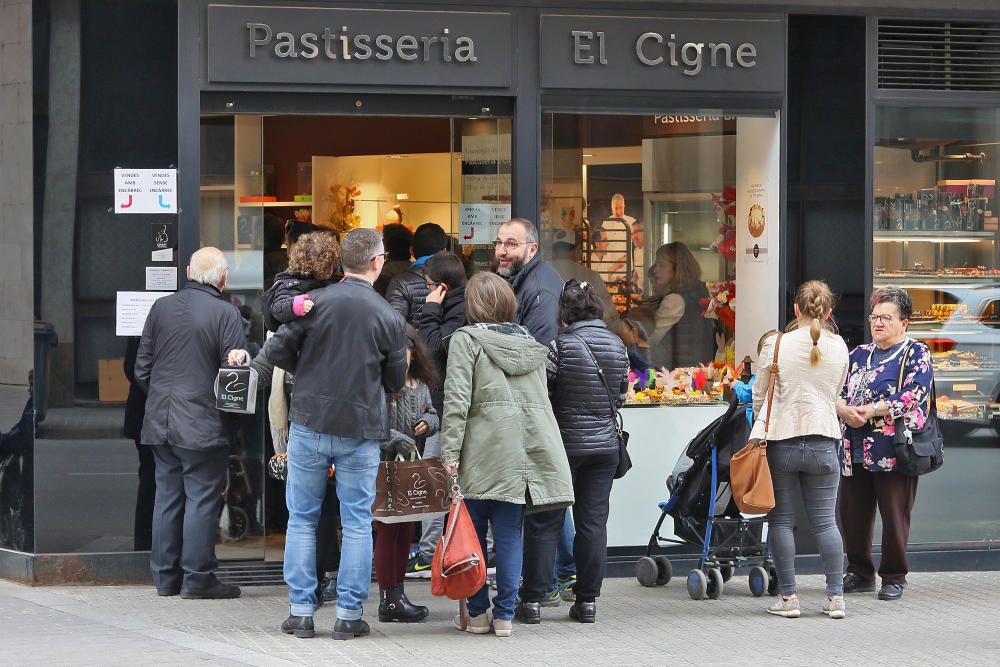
(935, 234)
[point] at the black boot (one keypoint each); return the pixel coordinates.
(395, 606)
(350, 629)
(329, 593)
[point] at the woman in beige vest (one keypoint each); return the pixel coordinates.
(804, 441)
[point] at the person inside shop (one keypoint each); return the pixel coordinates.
(615, 262)
(505, 466)
(587, 370)
(275, 257)
(871, 402)
(537, 286)
(638, 257)
(566, 260)
(333, 424)
(442, 315)
(803, 437)
(398, 241)
(408, 290)
(681, 336)
(182, 347)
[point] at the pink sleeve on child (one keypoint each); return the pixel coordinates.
(297, 305)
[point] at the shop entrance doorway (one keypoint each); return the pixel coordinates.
(264, 174)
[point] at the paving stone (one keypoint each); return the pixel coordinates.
(942, 619)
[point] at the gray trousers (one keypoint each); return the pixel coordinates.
(189, 485)
(808, 465)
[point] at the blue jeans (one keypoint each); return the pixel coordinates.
(565, 565)
(310, 454)
(505, 518)
(808, 465)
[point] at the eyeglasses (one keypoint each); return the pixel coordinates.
(884, 319)
(381, 254)
(507, 245)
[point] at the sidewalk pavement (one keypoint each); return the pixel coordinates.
(944, 618)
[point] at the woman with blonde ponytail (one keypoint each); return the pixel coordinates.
(804, 440)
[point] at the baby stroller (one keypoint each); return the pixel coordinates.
(705, 515)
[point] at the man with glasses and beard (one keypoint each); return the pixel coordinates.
(538, 288)
(535, 283)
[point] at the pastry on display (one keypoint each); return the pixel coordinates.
(957, 408)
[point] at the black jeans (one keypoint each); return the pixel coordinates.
(592, 479)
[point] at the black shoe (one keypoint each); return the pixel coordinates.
(585, 612)
(219, 591)
(890, 592)
(529, 613)
(855, 584)
(168, 592)
(350, 629)
(395, 606)
(300, 626)
(329, 593)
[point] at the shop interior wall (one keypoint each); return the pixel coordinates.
(127, 73)
(826, 162)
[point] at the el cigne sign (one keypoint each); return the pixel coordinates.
(663, 53)
(318, 45)
(256, 44)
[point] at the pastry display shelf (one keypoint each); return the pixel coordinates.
(933, 281)
(934, 236)
(275, 204)
(962, 375)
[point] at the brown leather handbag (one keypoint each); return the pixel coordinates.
(749, 474)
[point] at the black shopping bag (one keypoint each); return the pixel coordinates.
(236, 389)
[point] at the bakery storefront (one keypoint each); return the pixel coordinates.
(636, 139)
(621, 134)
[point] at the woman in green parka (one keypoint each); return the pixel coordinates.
(501, 437)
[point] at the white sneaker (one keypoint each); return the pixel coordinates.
(788, 608)
(478, 625)
(835, 607)
(502, 628)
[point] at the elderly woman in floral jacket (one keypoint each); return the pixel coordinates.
(888, 379)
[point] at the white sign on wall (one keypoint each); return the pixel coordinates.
(131, 309)
(145, 191)
(479, 223)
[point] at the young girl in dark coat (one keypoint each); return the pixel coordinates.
(411, 416)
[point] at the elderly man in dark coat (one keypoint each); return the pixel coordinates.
(185, 340)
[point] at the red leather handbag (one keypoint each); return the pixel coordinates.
(459, 567)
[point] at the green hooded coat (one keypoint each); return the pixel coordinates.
(498, 422)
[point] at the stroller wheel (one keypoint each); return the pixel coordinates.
(715, 584)
(727, 572)
(772, 582)
(664, 570)
(759, 581)
(697, 584)
(646, 572)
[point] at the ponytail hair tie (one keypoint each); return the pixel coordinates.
(815, 343)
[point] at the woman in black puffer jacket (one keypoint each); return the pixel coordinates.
(588, 379)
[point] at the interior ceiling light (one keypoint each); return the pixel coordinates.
(397, 157)
(936, 154)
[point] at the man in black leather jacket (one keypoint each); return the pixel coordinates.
(536, 284)
(345, 354)
(407, 291)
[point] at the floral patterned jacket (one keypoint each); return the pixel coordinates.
(867, 382)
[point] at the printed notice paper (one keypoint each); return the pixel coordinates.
(131, 309)
(161, 278)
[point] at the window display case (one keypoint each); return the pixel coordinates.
(935, 235)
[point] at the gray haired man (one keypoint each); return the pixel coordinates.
(185, 339)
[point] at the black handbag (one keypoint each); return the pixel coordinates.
(624, 460)
(918, 452)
